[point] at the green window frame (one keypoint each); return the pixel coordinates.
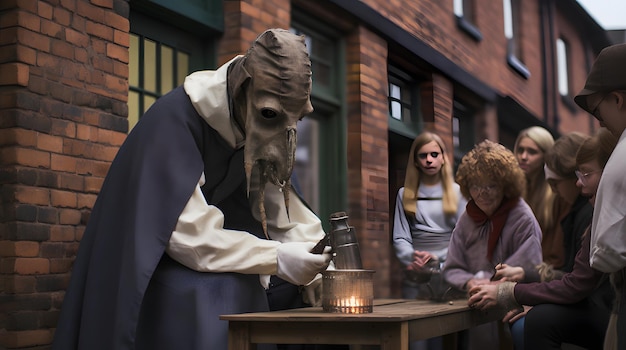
(404, 101)
(160, 57)
(320, 172)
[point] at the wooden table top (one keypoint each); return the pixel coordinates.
(392, 310)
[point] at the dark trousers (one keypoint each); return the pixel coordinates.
(547, 326)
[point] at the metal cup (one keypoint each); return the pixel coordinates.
(344, 243)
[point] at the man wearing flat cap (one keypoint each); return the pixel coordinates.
(195, 214)
(604, 96)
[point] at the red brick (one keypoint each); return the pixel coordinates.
(121, 38)
(60, 265)
(25, 138)
(65, 233)
(69, 217)
(32, 195)
(76, 38)
(99, 30)
(92, 167)
(93, 184)
(49, 143)
(70, 5)
(103, 3)
(63, 199)
(63, 49)
(89, 11)
(26, 249)
(14, 74)
(16, 284)
(22, 339)
(117, 52)
(44, 10)
(32, 266)
(117, 22)
(27, 157)
(71, 182)
(29, 21)
(86, 201)
(52, 29)
(34, 40)
(62, 16)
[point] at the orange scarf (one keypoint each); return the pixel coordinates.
(497, 220)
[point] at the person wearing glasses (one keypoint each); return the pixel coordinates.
(604, 96)
(575, 308)
(560, 174)
(498, 227)
(427, 208)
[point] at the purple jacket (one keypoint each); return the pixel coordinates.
(519, 245)
(571, 288)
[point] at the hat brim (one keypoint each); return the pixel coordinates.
(581, 99)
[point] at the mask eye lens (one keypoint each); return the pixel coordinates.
(268, 113)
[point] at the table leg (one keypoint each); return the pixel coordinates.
(395, 337)
(239, 336)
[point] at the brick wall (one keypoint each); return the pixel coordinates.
(63, 78)
(245, 20)
(368, 188)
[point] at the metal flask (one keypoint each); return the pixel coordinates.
(347, 255)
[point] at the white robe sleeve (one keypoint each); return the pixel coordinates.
(201, 242)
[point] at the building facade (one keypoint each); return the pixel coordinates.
(76, 75)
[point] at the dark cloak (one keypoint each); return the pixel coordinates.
(147, 187)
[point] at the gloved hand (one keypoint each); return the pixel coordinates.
(296, 264)
(312, 292)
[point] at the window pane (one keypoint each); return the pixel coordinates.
(306, 167)
(322, 56)
(322, 50)
(182, 62)
(400, 99)
(322, 73)
(458, 7)
(133, 109)
(396, 110)
(149, 65)
(508, 19)
(167, 66)
(394, 91)
(147, 102)
(133, 61)
(561, 54)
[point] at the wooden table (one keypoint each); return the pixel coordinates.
(393, 324)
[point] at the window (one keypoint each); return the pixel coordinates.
(463, 138)
(465, 18)
(160, 57)
(512, 32)
(403, 100)
(562, 67)
(154, 69)
(320, 168)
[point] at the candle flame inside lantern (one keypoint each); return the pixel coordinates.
(347, 291)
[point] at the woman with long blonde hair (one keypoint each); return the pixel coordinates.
(427, 208)
(530, 149)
